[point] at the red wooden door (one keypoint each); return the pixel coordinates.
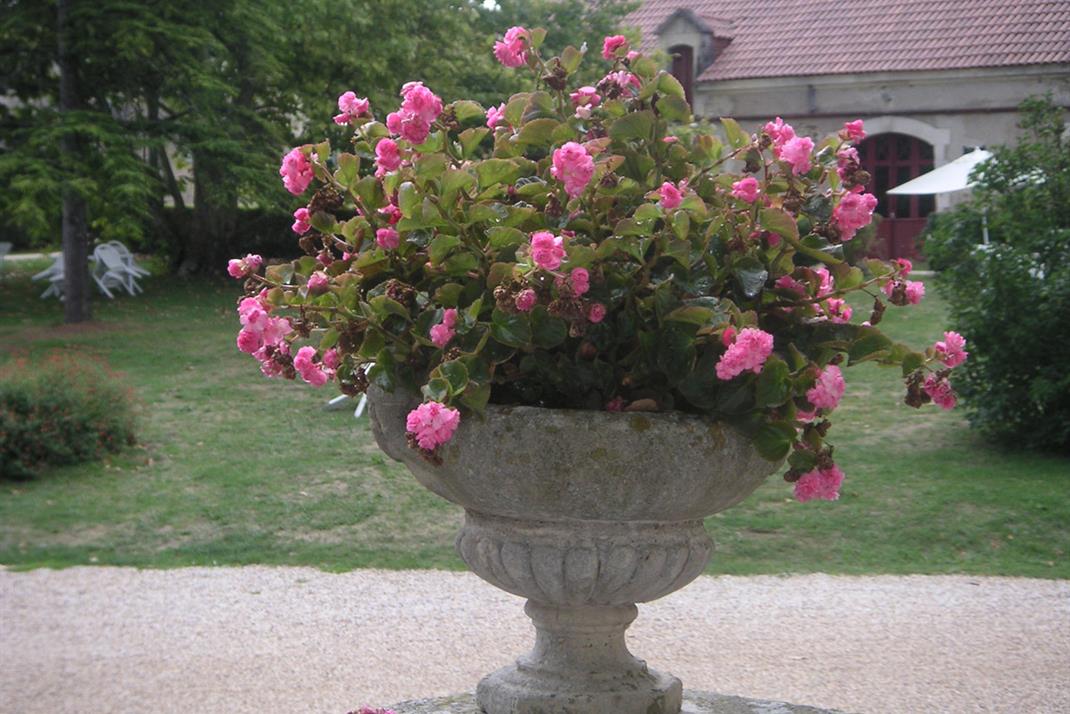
(891, 160)
(683, 68)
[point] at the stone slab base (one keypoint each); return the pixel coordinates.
(694, 703)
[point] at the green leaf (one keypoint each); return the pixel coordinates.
(495, 171)
(460, 264)
(752, 275)
(538, 35)
(384, 306)
(773, 441)
(441, 247)
(670, 85)
(408, 199)
(511, 329)
(871, 345)
(449, 294)
(370, 192)
(538, 132)
(465, 110)
(571, 58)
(774, 383)
(456, 374)
(737, 138)
(454, 181)
(693, 314)
(547, 331)
(348, 169)
(437, 390)
(780, 222)
(675, 109)
(504, 236)
(499, 273)
(476, 396)
(676, 351)
(802, 460)
(913, 361)
(471, 139)
(637, 125)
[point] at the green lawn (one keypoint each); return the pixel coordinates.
(236, 469)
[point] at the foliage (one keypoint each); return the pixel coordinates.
(61, 409)
(488, 255)
(1013, 295)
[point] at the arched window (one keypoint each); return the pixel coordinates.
(683, 67)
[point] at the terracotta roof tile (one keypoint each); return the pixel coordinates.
(777, 38)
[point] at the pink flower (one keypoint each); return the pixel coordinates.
(244, 267)
(387, 238)
(940, 390)
(547, 250)
(318, 283)
(432, 424)
(579, 279)
(828, 389)
(443, 332)
(616, 404)
(351, 108)
(786, 282)
(511, 50)
(296, 172)
(301, 221)
(846, 161)
(248, 340)
(419, 108)
(855, 211)
(780, 133)
(748, 352)
(903, 266)
(596, 313)
(853, 131)
(823, 484)
(387, 157)
(671, 197)
(309, 370)
(495, 115)
(392, 212)
(728, 336)
(915, 291)
(838, 310)
(796, 151)
(331, 359)
(625, 80)
(746, 189)
(611, 45)
(632, 55)
(585, 97)
(826, 285)
(525, 300)
(951, 350)
(574, 167)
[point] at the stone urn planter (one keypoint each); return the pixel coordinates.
(585, 514)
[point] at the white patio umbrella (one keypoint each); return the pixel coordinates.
(952, 176)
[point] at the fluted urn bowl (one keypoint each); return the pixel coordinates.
(585, 514)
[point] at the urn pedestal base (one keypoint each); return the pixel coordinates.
(694, 703)
(580, 663)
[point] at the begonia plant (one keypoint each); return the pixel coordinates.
(566, 250)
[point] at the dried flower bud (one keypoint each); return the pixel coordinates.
(878, 311)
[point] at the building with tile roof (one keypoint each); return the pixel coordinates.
(932, 78)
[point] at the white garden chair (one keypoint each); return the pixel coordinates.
(128, 259)
(111, 271)
(54, 275)
(338, 402)
(5, 248)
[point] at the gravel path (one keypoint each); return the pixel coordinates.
(269, 640)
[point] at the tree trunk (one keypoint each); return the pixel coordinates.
(215, 215)
(76, 306)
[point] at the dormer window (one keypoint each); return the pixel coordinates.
(683, 67)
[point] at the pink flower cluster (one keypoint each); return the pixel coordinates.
(853, 131)
(525, 300)
(511, 50)
(495, 115)
(746, 189)
(625, 80)
(387, 157)
(387, 238)
(296, 171)
(821, 483)
(614, 46)
(913, 290)
(316, 373)
(419, 108)
(580, 281)
(261, 334)
(939, 389)
(584, 100)
(432, 424)
(547, 250)
(596, 313)
(855, 211)
(788, 147)
(952, 349)
(369, 710)
(748, 351)
(318, 283)
(574, 167)
(828, 389)
(302, 221)
(444, 331)
(244, 267)
(671, 195)
(351, 107)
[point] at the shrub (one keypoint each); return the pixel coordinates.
(1012, 297)
(62, 409)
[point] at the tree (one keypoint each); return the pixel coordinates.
(1011, 298)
